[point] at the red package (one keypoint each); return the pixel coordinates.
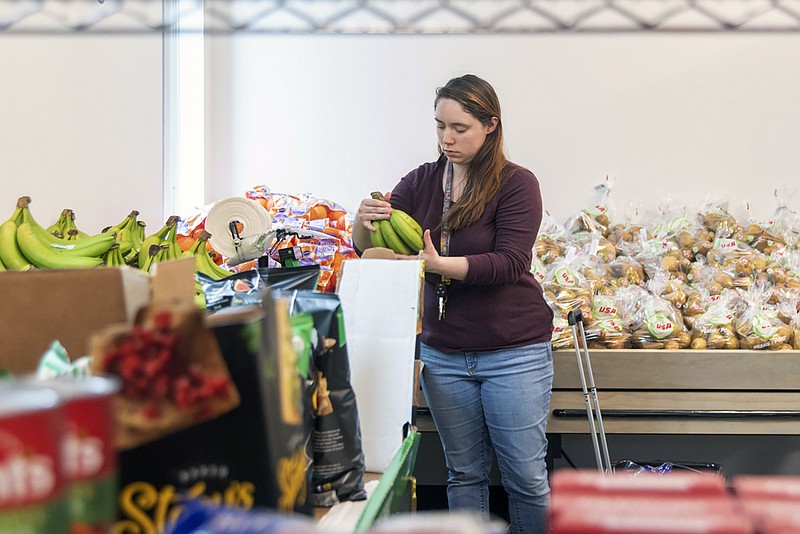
(675, 484)
(771, 515)
(711, 523)
(778, 487)
(650, 505)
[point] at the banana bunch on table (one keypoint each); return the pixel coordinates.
(25, 244)
(400, 232)
(130, 233)
(202, 259)
(160, 246)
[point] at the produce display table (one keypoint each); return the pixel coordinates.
(681, 392)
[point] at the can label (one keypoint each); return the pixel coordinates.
(90, 459)
(32, 485)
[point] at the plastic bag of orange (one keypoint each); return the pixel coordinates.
(185, 242)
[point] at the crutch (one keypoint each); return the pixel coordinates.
(575, 319)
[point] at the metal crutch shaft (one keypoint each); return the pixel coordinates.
(575, 319)
(598, 413)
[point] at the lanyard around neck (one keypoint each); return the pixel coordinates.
(444, 241)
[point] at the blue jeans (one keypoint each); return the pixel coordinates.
(496, 400)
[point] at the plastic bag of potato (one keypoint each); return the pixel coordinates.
(795, 326)
(549, 245)
(626, 271)
(689, 237)
(715, 217)
(596, 218)
(611, 331)
(715, 328)
(758, 326)
(657, 324)
(626, 238)
(565, 289)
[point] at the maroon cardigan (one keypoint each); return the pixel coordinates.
(499, 304)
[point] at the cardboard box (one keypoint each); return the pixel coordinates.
(68, 305)
(381, 302)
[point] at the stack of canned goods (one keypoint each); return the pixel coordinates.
(58, 462)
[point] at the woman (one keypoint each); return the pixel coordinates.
(486, 328)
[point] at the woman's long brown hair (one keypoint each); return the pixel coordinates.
(485, 171)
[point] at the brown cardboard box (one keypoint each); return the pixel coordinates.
(40, 306)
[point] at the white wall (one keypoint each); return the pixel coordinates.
(685, 115)
(340, 116)
(80, 127)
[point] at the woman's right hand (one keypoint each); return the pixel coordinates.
(370, 210)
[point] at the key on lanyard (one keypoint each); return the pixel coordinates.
(441, 293)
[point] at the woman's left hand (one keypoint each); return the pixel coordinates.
(428, 254)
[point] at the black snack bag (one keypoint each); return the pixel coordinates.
(239, 289)
(254, 456)
(337, 469)
(244, 288)
(302, 277)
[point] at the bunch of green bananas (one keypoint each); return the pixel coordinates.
(203, 262)
(25, 244)
(114, 257)
(10, 254)
(400, 232)
(65, 227)
(130, 234)
(160, 246)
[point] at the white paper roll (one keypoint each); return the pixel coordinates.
(251, 215)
